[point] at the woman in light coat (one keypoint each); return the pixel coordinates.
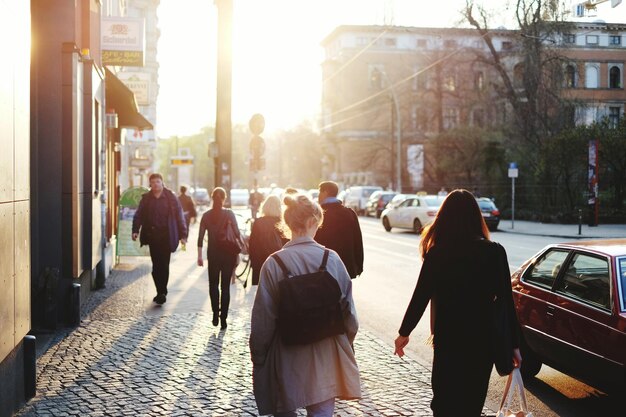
(286, 378)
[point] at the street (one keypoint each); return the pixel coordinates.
(383, 291)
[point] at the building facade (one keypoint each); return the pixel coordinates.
(388, 91)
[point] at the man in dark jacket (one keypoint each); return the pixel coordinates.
(340, 229)
(160, 218)
(189, 208)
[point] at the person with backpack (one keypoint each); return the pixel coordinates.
(266, 236)
(218, 222)
(294, 369)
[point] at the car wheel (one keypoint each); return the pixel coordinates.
(386, 224)
(417, 226)
(531, 364)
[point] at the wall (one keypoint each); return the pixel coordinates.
(14, 199)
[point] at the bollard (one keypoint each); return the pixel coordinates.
(30, 366)
(580, 221)
(75, 316)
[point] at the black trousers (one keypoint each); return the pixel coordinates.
(220, 271)
(160, 254)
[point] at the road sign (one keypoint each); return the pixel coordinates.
(513, 171)
(181, 160)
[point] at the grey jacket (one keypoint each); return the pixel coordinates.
(289, 377)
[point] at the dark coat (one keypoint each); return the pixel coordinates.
(176, 225)
(461, 282)
(210, 223)
(265, 239)
(341, 232)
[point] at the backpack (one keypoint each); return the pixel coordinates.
(227, 239)
(310, 308)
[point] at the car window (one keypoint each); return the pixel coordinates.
(407, 203)
(366, 192)
(433, 201)
(587, 279)
(622, 281)
(545, 270)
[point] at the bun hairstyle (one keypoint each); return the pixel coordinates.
(218, 195)
(300, 210)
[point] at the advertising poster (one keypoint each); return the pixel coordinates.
(129, 201)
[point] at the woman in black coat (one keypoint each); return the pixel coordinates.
(266, 236)
(463, 271)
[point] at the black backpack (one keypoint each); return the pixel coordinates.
(310, 306)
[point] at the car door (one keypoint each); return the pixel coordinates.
(585, 320)
(535, 301)
(408, 212)
(395, 214)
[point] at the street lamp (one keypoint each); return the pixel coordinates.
(398, 131)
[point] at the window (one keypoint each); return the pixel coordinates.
(622, 281)
(592, 39)
(615, 40)
(391, 42)
(449, 81)
(507, 45)
(518, 76)
(422, 43)
(449, 44)
(479, 81)
(614, 115)
(419, 119)
(375, 78)
(569, 38)
(478, 117)
(546, 269)
(591, 76)
(570, 76)
(615, 77)
(450, 118)
(586, 279)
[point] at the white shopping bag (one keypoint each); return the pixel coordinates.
(514, 384)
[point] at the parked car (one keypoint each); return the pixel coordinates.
(356, 197)
(571, 304)
(378, 202)
(414, 213)
(201, 197)
(397, 199)
(490, 212)
(239, 197)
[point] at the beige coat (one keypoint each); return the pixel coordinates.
(289, 377)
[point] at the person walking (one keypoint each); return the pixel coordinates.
(189, 208)
(266, 236)
(289, 377)
(340, 230)
(255, 200)
(159, 223)
(463, 269)
(221, 264)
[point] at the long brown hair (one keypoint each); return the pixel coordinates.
(458, 220)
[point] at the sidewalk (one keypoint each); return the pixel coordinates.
(565, 231)
(129, 357)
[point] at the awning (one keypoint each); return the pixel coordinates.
(121, 99)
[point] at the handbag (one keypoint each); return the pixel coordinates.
(227, 240)
(514, 383)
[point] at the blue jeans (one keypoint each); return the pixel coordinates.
(323, 409)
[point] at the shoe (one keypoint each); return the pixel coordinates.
(155, 298)
(224, 324)
(160, 299)
(216, 319)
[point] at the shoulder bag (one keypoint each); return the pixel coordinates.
(227, 239)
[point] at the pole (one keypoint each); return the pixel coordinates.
(398, 133)
(513, 203)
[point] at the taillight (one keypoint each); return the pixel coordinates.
(495, 212)
(431, 213)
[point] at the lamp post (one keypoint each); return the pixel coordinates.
(398, 132)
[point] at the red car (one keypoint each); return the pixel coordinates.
(571, 304)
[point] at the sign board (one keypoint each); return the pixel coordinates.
(513, 171)
(129, 201)
(134, 135)
(181, 160)
(123, 41)
(139, 84)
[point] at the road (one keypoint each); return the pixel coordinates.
(383, 291)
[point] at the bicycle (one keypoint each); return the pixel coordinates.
(242, 270)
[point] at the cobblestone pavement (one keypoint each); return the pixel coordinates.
(129, 357)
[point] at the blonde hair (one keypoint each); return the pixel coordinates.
(300, 209)
(271, 206)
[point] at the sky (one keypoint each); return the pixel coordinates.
(276, 53)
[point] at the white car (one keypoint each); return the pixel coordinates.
(356, 197)
(239, 197)
(415, 212)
